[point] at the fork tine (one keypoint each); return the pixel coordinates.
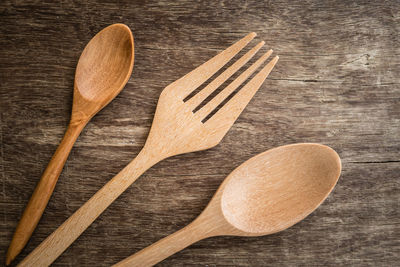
(206, 91)
(210, 106)
(227, 115)
(199, 75)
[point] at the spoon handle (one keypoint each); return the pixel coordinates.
(165, 247)
(55, 244)
(40, 197)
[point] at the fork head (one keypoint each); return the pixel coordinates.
(179, 128)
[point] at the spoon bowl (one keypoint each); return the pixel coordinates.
(266, 194)
(278, 188)
(103, 69)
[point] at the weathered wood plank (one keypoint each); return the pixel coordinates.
(337, 82)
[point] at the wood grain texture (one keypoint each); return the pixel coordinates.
(337, 82)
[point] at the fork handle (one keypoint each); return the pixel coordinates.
(55, 244)
(43, 191)
(166, 247)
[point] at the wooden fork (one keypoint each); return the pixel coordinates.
(176, 129)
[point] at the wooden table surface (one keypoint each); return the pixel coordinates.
(337, 83)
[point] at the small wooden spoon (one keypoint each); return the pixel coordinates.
(267, 194)
(103, 70)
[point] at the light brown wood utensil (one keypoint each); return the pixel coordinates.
(103, 70)
(267, 194)
(176, 129)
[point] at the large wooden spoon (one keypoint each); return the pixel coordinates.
(103, 70)
(267, 194)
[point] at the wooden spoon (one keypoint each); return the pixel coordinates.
(103, 70)
(267, 194)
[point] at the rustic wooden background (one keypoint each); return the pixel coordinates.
(337, 83)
